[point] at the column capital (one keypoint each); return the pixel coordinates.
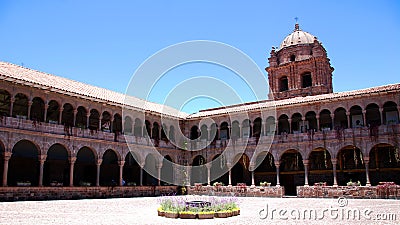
(121, 162)
(306, 161)
(42, 158)
(366, 158)
(277, 164)
(332, 115)
(30, 102)
(364, 111)
(7, 155)
(334, 161)
(72, 160)
(348, 113)
(98, 162)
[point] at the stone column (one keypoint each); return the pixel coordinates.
(364, 113)
(209, 134)
(333, 120)
(208, 165)
(29, 109)
(290, 125)
(121, 170)
(98, 164)
(12, 105)
(381, 113)
(252, 179)
(334, 162)
(100, 118)
(305, 163)
(141, 174)
(348, 119)
(240, 131)
(318, 122)
(277, 127)
(158, 167)
(263, 128)
(46, 106)
(7, 156)
(277, 165)
(366, 162)
(87, 119)
(72, 161)
(229, 166)
(42, 159)
(303, 118)
(60, 111)
(75, 112)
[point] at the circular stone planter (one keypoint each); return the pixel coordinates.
(171, 215)
(160, 213)
(187, 215)
(206, 215)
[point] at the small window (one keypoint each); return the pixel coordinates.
(283, 84)
(306, 80)
(292, 58)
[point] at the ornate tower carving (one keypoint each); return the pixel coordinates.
(300, 67)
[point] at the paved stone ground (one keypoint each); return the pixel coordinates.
(143, 211)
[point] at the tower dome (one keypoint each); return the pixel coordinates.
(297, 37)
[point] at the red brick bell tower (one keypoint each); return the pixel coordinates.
(299, 67)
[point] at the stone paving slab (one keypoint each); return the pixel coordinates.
(143, 210)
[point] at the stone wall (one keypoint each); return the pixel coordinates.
(53, 193)
(391, 192)
(243, 191)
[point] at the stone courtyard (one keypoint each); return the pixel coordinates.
(254, 210)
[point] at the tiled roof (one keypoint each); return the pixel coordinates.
(51, 82)
(297, 100)
(42, 80)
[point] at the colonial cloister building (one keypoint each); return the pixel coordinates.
(59, 132)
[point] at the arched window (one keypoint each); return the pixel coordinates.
(292, 58)
(283, 84)
(306, 80)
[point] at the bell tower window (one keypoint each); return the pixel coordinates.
(306, 80)
(283, 84)
(292, 58)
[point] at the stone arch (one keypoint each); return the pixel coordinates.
(131, 169)
(350, 165)
(235, 130)
(94, 120)
(198, 170)
(128, 124)
(283, 124)
(5, 102)
(219, 169)
(56, 167)
(171, 134)
(53, 112)
(150, 170)
(117, 123)
(147, 129)
(167, 172)
(20, 106)
(194, 132)
(265, 170)
(246, 128)
(109, 169)
(311, 118)
(85, 169)
(106, 121)
(240, 170)
(257, 127)
(37, 109)
(320, 166)
(155, 131)
(325, 119)
(214, 135)
(297, 123)
(204, 132)
(138, 128)
(390, 113)
(81, 117)
(340, 118)
(372, 115)
(24, 164)
(356, 116)
(224, 131)
(291, 170)
(164, 131)
(384, 163)
(68, 115)
(270, 125)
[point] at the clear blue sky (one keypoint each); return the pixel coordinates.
(103, 42)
